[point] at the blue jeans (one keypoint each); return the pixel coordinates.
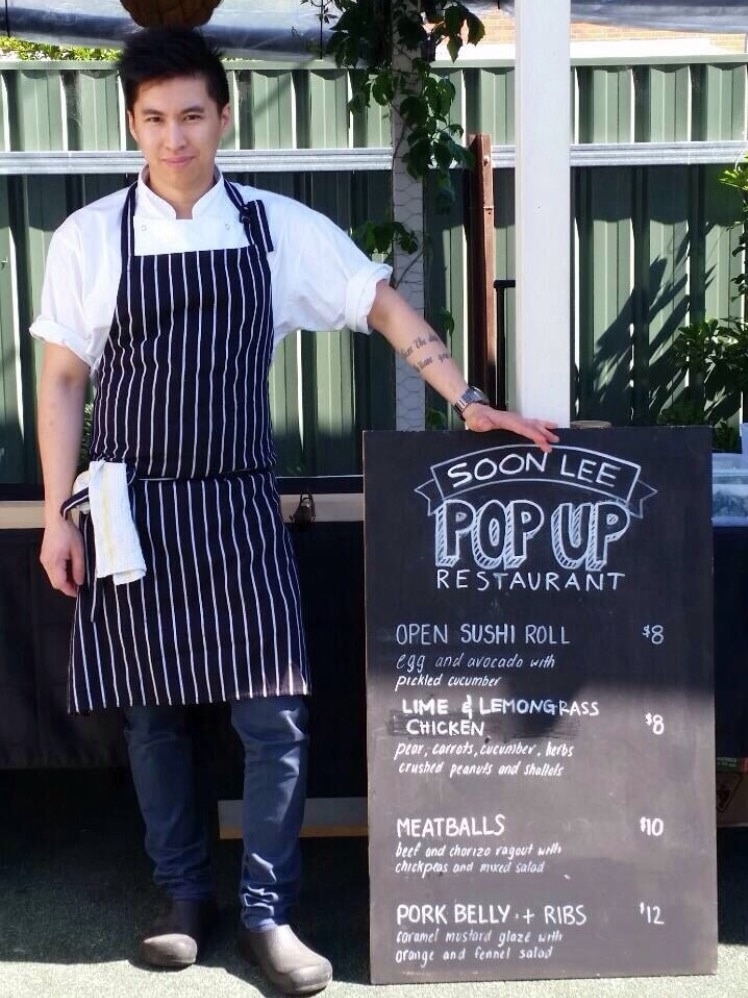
(273, 733)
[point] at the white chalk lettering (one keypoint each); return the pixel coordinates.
(480, 914)
(451, 826)
(422, 634)
(421, 914)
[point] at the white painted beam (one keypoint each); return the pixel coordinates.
(541, 379)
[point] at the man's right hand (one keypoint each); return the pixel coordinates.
(62, 556)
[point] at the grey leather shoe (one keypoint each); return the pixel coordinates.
(178, 935)
(286, 961)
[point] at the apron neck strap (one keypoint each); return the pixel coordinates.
(253, 216)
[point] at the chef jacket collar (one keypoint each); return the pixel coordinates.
(151, 205)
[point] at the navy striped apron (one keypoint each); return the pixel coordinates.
(182, 399)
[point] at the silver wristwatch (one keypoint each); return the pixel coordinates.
(470, 395)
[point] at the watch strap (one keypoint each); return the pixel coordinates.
(470, 395)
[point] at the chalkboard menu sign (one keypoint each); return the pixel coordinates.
(539, 705)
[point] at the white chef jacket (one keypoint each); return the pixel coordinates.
(320, 279)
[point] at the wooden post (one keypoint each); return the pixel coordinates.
(484, 362)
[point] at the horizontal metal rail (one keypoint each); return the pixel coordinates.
(443, 63)
(379, 158)
(231, 161)
(639, 153)
(658, 153)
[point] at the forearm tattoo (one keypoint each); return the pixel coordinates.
(410, 353)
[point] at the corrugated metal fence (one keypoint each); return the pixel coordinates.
(652, 238)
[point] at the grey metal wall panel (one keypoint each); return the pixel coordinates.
(663, 95)
(605, 97)
(716, 245)
(719, 102)
(12, 427)
(605, 352)
(330, 441)
(371, 128)
(489, 98)
(664, 252)
(326, 110)
(6, 115)
(265, 110)
(37, 109)
(92, 100)
(285, 377)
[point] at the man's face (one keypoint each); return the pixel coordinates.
(178, 127)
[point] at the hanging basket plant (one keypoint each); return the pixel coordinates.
(155, 13)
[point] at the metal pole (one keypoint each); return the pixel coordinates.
(501, 287)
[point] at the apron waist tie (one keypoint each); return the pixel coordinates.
(217, 476)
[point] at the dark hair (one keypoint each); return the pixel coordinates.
(165, 53)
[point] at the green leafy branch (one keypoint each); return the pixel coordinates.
(378, 238)
(365, 38)
(712, 360)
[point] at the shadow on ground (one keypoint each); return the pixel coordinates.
(76, 885)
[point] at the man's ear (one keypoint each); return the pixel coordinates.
(225, 115)
(131, 125)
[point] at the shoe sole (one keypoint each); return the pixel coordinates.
(306, 989)
(165, 964)
(153, 958)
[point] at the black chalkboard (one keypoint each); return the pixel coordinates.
(540, 705)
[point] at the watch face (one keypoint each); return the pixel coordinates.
(470, 395)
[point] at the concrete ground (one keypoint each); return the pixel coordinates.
(75, 889)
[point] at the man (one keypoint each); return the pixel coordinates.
(172, 295)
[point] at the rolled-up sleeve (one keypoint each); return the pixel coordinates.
(360, 298)
(321, 279)
(61, 318)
